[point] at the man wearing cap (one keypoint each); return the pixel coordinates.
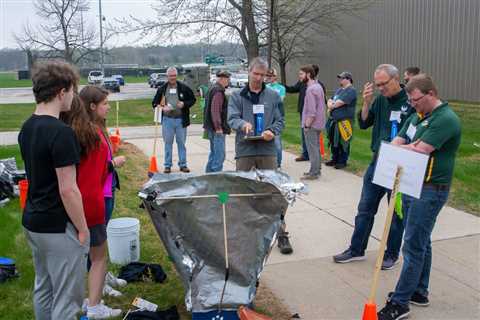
(215, 121)
(272, 83)
(434, 130)
(340, 122)
(387, 114)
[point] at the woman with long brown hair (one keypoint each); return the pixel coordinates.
(87, 118)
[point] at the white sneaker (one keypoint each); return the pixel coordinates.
(85, 305)
(113, 281)
(101, 311)
(109, 291)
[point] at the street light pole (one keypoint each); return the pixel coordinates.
(101, 35)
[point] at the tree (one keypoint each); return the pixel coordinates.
(245, 20)
(63, 34)
(295, 22)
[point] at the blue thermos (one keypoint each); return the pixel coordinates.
(258, 124)
(394, 131)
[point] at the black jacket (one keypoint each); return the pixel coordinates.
(185, 94)
(207, 116)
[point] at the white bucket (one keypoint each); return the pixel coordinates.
(123, 236)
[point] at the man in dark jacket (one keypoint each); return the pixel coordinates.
(175, 99)
(215, 121)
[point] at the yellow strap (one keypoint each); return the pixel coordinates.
(430, 169)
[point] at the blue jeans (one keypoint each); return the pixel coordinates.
(278, 146)
(304, 145)
(339, 155)
(173, 128)
(420, 216)
(217, 151)
(367, 208)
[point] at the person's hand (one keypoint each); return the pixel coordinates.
(167, 108)
(180, 104)
(247, 128)
(83, 235)
(330, 103)
(367, 93)
(219, 131)
(119, 161)
(268, 135)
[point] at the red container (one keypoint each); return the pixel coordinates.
(23, 188)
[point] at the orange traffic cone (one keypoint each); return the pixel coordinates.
(115, 140)
(246, 314)
(23, 188)
(117, 132)
(152, 169)
(370, 311)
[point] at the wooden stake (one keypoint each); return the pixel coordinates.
(383, 242)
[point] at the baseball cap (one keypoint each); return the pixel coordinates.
(345, 75)
(223, 74)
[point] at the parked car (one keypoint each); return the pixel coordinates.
(111, 84)
(239, 80)
(157, 79)
(120, 79)
(95, 77)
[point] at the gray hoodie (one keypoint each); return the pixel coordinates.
(240, 111)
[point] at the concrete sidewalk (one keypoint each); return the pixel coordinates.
(321, 224)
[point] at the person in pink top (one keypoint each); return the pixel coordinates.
(313, 121)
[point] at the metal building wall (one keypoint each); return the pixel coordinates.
(442, 37)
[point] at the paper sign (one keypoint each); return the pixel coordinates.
(157, 118)
(258, 108)
(413, 163)
(411, 131)
(396, 116)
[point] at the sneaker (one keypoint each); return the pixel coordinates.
(389, 263)
(301, 158)
(417, 299)
(340, 165)
(393, 311)
(85, 305)
(347, 256)
(185, 169)
(310, 177)
(167, 170)
(330, 163)
(113, 281)
(109, 291)
(101, 311)
(283, 243)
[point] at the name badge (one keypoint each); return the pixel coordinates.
(411, 131)
(258, 108)
(396, 116)
(173, 91)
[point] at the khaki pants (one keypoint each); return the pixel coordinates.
(257, 162)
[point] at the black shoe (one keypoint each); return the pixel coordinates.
(330, 163)
(389, 263)
(347, 256)
(185, 169)
(417, 299)
(167, 170)
(301, 158)
(340, 165)
(393, 311)
(283, 243)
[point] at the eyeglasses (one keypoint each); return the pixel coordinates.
(412, 100)
(383, 84)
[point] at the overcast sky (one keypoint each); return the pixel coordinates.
(14, 13)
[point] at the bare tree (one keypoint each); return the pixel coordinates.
(63, 34)
(296, 22)
(225, 19)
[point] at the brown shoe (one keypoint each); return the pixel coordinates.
(185, 169)
(167, 170)
(301, 158)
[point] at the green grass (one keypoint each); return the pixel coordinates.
(9, 80)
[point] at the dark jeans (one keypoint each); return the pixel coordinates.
(420, 216)
(339, 155)
(217, 151)
(304, 145)
(367, 208)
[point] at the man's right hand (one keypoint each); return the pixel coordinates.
(83, 236)
(247, 128)
(367, 94)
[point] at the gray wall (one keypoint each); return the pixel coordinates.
(442, 37)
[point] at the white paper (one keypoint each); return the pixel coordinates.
(396, 116)
(413, 164)
(157, 117)
(258, 108)
(411, 131)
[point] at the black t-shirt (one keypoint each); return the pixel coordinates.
(46, 143)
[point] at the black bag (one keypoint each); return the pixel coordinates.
(169, 314)
(139, 271)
